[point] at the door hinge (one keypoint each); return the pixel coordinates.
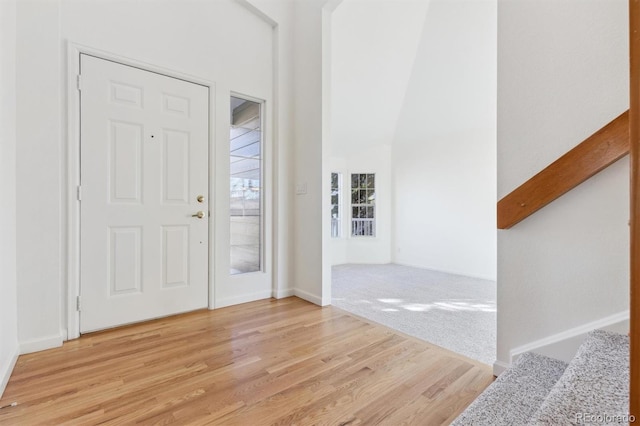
(79, 82)
(78, 303)
(79, 193)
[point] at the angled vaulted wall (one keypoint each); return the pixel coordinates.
(444, 150)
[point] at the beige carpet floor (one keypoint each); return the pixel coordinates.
(452, 311)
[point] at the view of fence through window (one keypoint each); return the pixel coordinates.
(363, 198)
(245, 208)
(335, 204)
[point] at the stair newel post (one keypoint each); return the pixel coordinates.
(634, 115)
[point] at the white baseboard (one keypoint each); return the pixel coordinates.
(281, 294)
(444, 271)
(5, 374)
(499, 367)
(236, 300)
(316, 300)
(42, 344)
(564, 345)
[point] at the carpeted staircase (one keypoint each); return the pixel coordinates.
(537, 390)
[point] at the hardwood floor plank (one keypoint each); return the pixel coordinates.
(267, 362)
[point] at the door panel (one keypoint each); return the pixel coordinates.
(144, 164)
(175, 175)
(175, 250)
(125, 160)
(125, 274)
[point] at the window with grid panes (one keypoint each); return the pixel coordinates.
(363, 209)
(335, 204)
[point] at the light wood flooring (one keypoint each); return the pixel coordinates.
(282, 362)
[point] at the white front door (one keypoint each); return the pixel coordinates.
(144, 175)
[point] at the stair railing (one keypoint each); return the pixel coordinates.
(594, 154)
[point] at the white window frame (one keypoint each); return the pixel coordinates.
(362, 221)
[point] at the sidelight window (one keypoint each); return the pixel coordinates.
(245, 207)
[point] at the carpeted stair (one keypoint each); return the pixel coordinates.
(538, 390)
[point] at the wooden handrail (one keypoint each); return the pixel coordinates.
(595, 153)
(634, 139)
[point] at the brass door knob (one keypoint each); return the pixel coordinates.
(199, 215)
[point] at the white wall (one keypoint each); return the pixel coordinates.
(371, 64)
(562, 75)
(307, 152)
(301, 82)
(8, 298)
(39, 173)
(373, 49)
(444, 151)
(280, 14)
(220, 41)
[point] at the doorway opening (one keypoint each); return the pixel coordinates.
(420, 120)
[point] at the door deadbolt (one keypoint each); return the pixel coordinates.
(200, 198)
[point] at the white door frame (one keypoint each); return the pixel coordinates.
(72, 166)
(254, 280)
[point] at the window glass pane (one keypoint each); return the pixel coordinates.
(371, 196)
(336, 210)
(371, 181)
(245, 207)
(370, 212)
